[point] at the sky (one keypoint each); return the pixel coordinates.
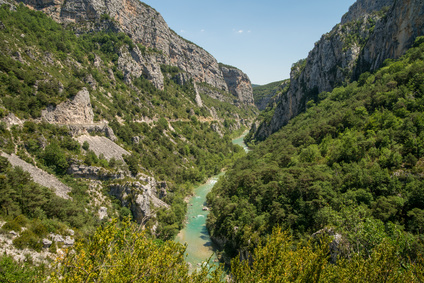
(263, 38)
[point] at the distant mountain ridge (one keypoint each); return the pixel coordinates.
(371, 32)
(264, 94)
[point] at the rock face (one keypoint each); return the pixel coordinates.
(383, 29)
(94, 173)
(393, 35)
(139, 196)
(76, 111)
(364, 7)
(147, 27)
(238, 84)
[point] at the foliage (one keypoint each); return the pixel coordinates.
(121, 253)
(353, 162)
(21, 198)
(11, 271)
(267, 90)
(283, 260)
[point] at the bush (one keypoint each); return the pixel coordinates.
(85, 145)
(282, 260)
(11, 271)
(130, 256)
(28, 239)
(11, 226)
(16, 224)
(54, 157)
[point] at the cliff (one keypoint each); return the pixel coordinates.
(268, 94)
(238, 84)
(371, 32)
(145, 26)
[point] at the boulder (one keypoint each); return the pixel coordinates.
(46, 243)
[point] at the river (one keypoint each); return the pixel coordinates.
(195, 234)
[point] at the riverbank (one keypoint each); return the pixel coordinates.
(195, 233)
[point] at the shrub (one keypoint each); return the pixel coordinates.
(130, 256)
(28, 239)
(11, 271)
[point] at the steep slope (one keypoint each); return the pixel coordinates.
(350, 166)
(145, 26)
(371, 32)
(77, 102)
(266, 94)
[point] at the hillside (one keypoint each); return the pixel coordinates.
(148, 31)
(109, 120)
(103, 126)
(369, 33)
(350, 166)
(264, 94)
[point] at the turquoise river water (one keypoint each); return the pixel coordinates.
(195, 234)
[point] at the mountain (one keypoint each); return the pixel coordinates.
(349, 167)
(106, 113)
(369, 33)
(265, 93)
(146, 26)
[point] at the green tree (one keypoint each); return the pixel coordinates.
(55, 158)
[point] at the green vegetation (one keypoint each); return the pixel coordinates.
(131, 256)
(283, 260)
(121, 253)
(26, 204)
(11, 271)
(353, 163)
(32, 79)
(267, 90)
(42, 64)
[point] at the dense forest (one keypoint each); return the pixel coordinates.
(351, 165)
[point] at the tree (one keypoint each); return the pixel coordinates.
(55, 158)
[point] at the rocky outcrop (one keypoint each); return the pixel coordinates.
(364, 7)
(97, 128)
(238, 84)
(11, 120)
(75, 111)
(102, 213)
(139, 196)
(77, 114)
(338, 244)
(371, 32)
(393, 35)
(147, 27)
(94, 173)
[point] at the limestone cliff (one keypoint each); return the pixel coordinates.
(142, 197)
(147, 27)
(75, 111)
(369, 33)
(238, 84)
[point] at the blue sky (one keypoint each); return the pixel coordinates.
(263, 38)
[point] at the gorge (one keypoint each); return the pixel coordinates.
(110, 121)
